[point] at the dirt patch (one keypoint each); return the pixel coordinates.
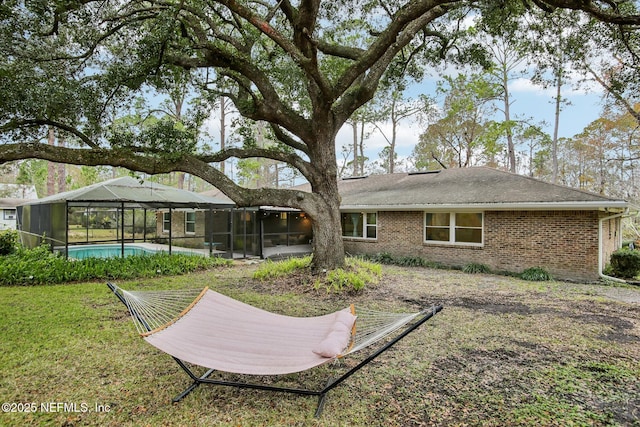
(491, 306)
(622, 294)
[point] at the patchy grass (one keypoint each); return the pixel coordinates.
(502, 352)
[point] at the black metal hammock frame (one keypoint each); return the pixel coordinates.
(148, 324)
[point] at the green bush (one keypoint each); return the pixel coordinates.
(405, 261)
(8, 242)
(354, 277)
(382, 258)
(625, 263)
(39, 266)
(536, 274)
(474, 268)
(271, 270)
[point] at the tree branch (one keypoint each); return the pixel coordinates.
(307, 64)
(619, 98)
(17, 124)
(246, 153)
(605, 11)
(156, 165)
(375, 61)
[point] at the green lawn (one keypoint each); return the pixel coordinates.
(502, 352)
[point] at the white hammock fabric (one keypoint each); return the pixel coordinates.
(221, 333)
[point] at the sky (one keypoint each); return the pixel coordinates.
(528, 101)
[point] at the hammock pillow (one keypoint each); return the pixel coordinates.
(338, 336)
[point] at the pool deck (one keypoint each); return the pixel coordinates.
(157, 247)
(275, 252)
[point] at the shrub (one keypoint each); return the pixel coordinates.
(625, 263)
(411, 261)
(382, 258)
(536, 274)
(8, 242)
(271, 270)
(474, 268)
(354, 277)
(39, 266)
(405, 261)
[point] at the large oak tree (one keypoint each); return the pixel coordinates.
(76, 66)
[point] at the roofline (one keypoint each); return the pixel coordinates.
(577, 206)
(116, 203)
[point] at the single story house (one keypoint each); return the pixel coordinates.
(505, 221)
(454, 217)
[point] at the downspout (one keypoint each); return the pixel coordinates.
(601, 249)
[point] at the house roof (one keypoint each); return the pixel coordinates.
(133, 193)
(10, 203)
(465, 188)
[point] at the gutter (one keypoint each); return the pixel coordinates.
(600, 249)
(550, 206)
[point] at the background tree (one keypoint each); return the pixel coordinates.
(508, 62)
(593, 148)
(538, 145)
(554, 40)
(33, 172)
(393, 109)
(465, 133)
(361, 123)
(625, 131)
(610, 56)
(261, 172)
(224, 106)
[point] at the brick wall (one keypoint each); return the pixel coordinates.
(179, 236)
(563, 242)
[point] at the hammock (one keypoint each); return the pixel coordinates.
(214, 331)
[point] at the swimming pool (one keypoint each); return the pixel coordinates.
(106, 251)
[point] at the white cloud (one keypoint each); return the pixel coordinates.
(525, 85)
(573, 86)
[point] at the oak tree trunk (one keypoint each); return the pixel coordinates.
(328, 248)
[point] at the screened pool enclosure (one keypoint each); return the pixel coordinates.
(135, 216)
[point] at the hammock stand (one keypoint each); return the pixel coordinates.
(148, 329)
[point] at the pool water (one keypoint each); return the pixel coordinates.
(106, 251)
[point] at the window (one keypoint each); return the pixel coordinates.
(190, 222)
(463, 228)
(363, 225)
(9, 214)
(166, 222)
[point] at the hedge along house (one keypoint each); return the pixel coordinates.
(505, 221)
(124, 211)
